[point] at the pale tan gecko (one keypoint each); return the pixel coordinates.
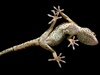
(53, 37)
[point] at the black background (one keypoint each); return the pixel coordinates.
(23, 20)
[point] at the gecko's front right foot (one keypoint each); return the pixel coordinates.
(58, 59)
(55, 17)
(72, 42)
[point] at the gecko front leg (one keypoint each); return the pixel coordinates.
(43, 37)
(72, 42)
(62, 14)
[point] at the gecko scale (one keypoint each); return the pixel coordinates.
(52, 37)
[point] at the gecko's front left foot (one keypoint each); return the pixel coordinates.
(72, 42)
(58, 59)
(55, 17)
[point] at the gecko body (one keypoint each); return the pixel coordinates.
(59, 33)
(84, 35)
(52, 37)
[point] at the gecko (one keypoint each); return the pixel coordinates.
(53, 36)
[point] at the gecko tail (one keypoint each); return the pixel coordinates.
(24, 45)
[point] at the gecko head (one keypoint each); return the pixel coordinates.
(86, 36)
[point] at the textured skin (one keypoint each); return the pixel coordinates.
(21, 46)
(54, 37)
(58, 34)
(86, 36)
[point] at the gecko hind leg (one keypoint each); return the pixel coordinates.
(48, 31)
(52, 22)
(42, 40)
(56, 58)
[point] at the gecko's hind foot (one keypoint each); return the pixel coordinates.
(58, 59)
(72, 42)
(55, 17)
(58, 9)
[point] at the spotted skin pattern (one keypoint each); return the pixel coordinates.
(53, 37)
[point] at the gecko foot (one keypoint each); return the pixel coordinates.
(58, 9)
(55, 17)
(58, 59)
(72, 42)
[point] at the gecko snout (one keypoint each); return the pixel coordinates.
(95, 41)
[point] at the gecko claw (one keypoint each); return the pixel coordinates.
(72, 42)
(58, 59)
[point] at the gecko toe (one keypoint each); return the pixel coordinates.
(58, 59)
(73, 42)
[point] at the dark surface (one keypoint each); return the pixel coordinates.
(23, 21)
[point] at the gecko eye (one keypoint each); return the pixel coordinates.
(94, 33)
